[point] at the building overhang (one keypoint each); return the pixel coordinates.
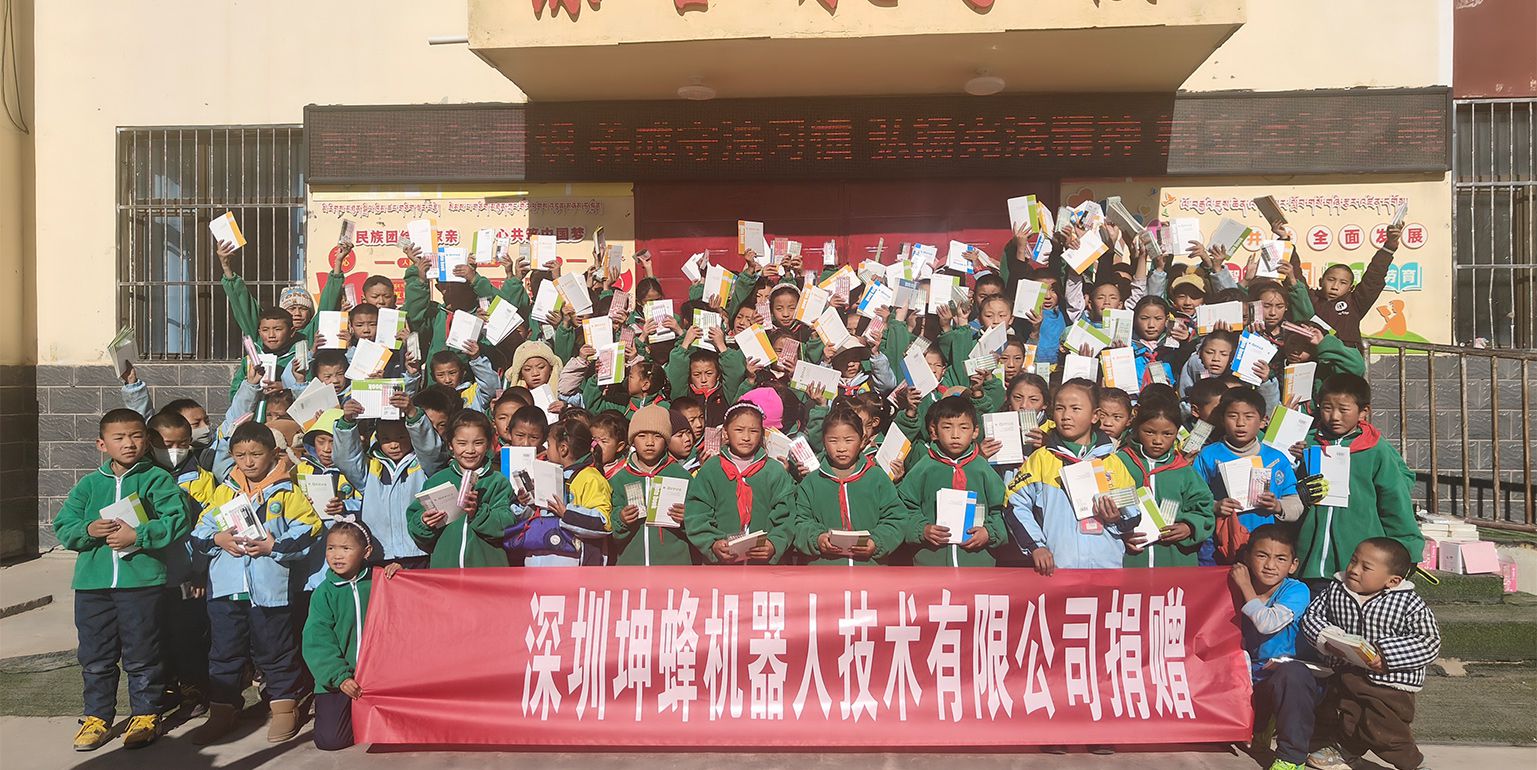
(648, 49)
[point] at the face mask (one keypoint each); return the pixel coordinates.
(171, 458)
(201, 434)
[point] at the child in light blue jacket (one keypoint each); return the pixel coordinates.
(390, 475)
(251, 581)
(1042, 521)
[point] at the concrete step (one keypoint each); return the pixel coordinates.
(1489, 632)
(25, 604)
(1479, 705)
(1460, 589)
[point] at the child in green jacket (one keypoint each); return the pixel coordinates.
(1379, 505)
(1149, 458)
(475, 538)
(119, 574)
(953, 461)
(740, 492)
(634, 542)
(333, 632)
(849, 493)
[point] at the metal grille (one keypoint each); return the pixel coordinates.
(171, 183)
(1495, 221)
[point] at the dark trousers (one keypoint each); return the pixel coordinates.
(241, 632)
(333, 721)
(120, 624)
(1370, 717)
(1289, 695)
(185, 643)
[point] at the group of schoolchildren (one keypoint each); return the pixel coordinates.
(195, 609)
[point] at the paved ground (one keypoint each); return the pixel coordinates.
(49, 628)
(35, 739)
(43, 744)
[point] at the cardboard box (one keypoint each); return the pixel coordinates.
(1508, 572)
(1432, 558)
(1475, 558)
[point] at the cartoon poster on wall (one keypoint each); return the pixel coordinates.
(518, 220)
(1335, 223)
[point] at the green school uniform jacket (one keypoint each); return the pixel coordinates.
(247, 315)
(640, 545)
(711, 511)
(470, 541)
(596, 401)
(733, 369)
(1380, 505)
(925, 477)
(917, 429)
(1171, 478)
(868, 502)
(96, 566)
(333, 632)
(247, 312)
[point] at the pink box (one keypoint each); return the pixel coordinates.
(1508, 572)
(1477, 557)
(1432, 556)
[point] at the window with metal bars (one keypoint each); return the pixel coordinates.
(1495, 221)
(171, 183)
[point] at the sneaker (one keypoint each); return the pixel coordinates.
(142, 731)
(1281, 764)
(1329, 758)
(92, 734)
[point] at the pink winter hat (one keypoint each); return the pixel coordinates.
(768, 400)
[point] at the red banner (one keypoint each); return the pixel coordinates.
(695, 657)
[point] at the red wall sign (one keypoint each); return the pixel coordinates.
(694, 657)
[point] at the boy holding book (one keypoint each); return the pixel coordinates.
(390, 475)
(257, 527)
(636, 542)
(1271, 603)
(1377, 501)
(1341, 302)
(1379, 636)
(1253, 482)
(950, 529)
(275, 335)
(117, 520)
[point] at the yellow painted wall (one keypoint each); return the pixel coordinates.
(500, 23)
(190, 62)
(18, 330)
(1302, 44)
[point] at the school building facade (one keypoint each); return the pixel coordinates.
(664, 121)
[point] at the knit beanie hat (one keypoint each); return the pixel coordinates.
(768, 401)
(296, 296)
(651, 419)
(677, 422)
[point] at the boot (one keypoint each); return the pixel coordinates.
(221, 720)
(284, 722)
